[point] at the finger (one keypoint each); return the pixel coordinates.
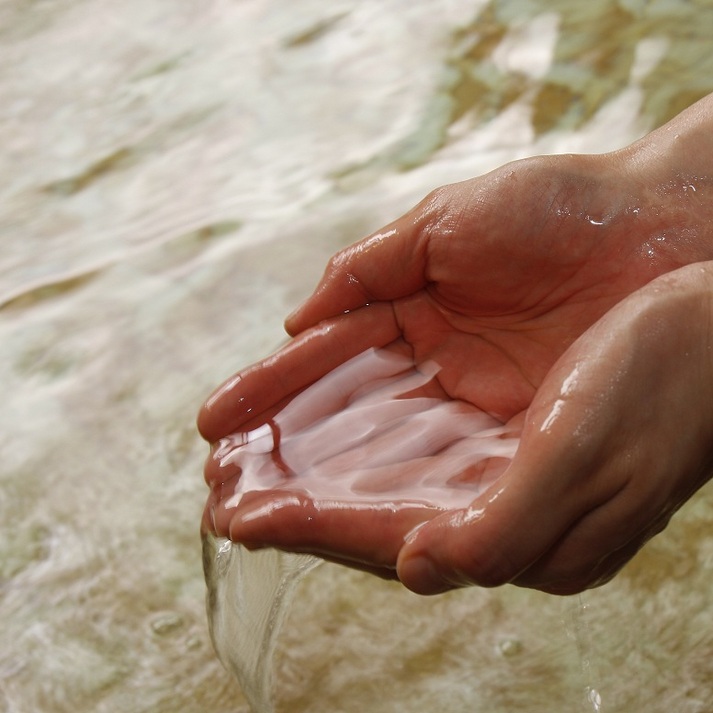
(208, 527)
(387, 573)
(300, 363)
(590, 575)
(544, 492)
(596, 576)
(382, 267)
(489, 543)
(216, 471)
(369, 533)
(593, 576)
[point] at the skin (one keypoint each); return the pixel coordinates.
(571, 297)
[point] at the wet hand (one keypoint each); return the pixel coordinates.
(615, 440)
(369, 452)
(618, 437)
(493, 279)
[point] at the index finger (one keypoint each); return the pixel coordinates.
(300, 363)
(384, 266)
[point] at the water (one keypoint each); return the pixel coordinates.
(249, 596)
(358, 413)
(175, 176)
(577, 626)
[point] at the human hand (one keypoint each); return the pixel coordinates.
(492, 279)
(618, 437)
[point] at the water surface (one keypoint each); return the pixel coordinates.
(175, 175)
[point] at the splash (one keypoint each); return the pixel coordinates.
(342, 440)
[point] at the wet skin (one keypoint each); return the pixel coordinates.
(569, 296)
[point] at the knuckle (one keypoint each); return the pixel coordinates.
(438, 208)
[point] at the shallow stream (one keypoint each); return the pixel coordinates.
(174, 177)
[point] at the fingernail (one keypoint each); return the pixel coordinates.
(411, 534)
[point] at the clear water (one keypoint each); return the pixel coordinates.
(314, 442)
(249, 596)
(174, 176)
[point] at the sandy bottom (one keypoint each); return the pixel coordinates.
(175, 176)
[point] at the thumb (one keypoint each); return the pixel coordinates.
(528, 510)
(488, 544)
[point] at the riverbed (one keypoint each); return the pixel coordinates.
(174, 177)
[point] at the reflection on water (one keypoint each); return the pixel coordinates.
(174, 177)
(597, 51)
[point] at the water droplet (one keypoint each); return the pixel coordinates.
(166, 622)
(510, 647)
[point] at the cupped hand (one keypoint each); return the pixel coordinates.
(508, 282)
(618, 437)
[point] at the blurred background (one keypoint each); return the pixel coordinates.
(174, 175)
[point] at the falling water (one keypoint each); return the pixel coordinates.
(249, 598)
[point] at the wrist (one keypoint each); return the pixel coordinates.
(672, 172)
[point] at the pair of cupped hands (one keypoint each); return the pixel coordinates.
(569, 297)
